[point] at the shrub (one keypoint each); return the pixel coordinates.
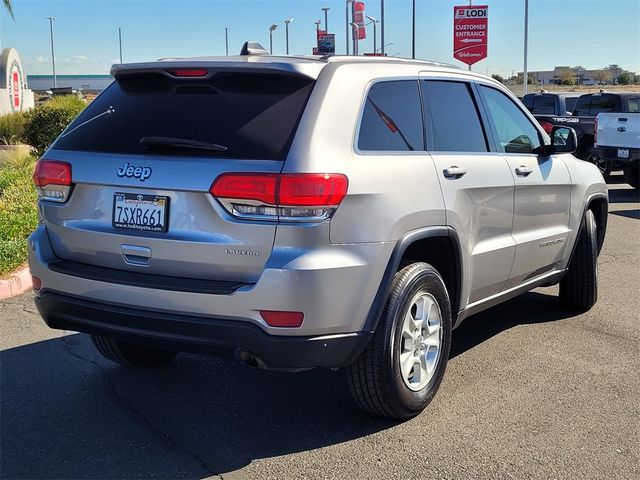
(12, 128)
(47, 121)
(18, 211)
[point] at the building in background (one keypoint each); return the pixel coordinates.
(15, 95)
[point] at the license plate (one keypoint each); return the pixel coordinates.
(135, 211)
(623, 153)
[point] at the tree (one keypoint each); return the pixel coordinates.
(497, 77)
(9, 7)
(625, 78)
(565, 77)
(602, 76)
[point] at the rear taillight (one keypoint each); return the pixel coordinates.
(282, 319)
(547, 126)
(52, 180)
(284, 197)
(595, 132)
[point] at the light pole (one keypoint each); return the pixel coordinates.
(346, 22)
(375, 35)
(326, 25)
(286, 31)
(271, 29)
(526, 40)
(120, 42)
(318, 23)
(355, 28)
(385, 45)
(226, 40)
(413, 31)
(382, 26)
(53, 52)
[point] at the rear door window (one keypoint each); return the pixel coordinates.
(602, 103)
(453, 122)
(633, 104)
(515, 131)
(251, 115)
(544, 104)
(392, 118)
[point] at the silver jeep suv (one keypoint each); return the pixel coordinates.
(301, 212)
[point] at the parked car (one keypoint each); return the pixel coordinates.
(618, 140)
(302, 212)
(582, 120)
(550, 103)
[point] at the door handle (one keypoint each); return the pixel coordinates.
(454, 172)
(523, 170)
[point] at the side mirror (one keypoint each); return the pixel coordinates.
(563, 140)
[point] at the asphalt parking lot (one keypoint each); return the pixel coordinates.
(531, 391)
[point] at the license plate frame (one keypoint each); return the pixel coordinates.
(623, 153)
(148, 207)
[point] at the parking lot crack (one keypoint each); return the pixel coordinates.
(165, 437)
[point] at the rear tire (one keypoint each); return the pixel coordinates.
(579, 287)
(131, 355)
(399, 372)
(632, 176)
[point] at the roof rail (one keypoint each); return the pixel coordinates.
(253, 48)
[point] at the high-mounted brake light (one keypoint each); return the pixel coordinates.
(189, 72)
(285, 197)
(53, 180)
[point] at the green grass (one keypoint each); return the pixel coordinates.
(18, 210)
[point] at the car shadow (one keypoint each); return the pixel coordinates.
(627, 213)
(530, 308)
(67, 413)
(624, 195)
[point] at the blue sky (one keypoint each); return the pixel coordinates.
(590, 33)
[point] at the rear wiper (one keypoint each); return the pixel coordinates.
(183, 143)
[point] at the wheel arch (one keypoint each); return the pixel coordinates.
(437, 246)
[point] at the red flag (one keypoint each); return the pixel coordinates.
(358, 19)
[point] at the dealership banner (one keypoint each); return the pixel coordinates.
(358, 19)
(470, 33)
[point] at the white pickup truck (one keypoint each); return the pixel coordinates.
(617, 139)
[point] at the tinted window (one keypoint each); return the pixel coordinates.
(515, 131)
(633, 104)
(602, 103)
(582, 105)
(452, 118)
(392, 118)
(527, 100)
(570, 103)
(253, 115)
(544, 104)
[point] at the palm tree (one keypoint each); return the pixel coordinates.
(9, 7)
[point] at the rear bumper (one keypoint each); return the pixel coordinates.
(199, 334)
(611, 153)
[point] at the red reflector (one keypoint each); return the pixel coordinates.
(52, 172)
(292, 190)
(189, 72)
(311, 189)
(282, 319)
(35, 282)
(245, 186)
(548, 126)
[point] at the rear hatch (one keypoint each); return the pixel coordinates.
(143, 157)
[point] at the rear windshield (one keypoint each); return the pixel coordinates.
(592, 105)
(570, 103)
(251, 115)
(543, 104)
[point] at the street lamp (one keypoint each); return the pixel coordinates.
(326, 25)
(385, 45)
(226, 40)
(413, 31)
(355, 28)
(120, 42)
(318, 23)
(286, 30)
(375, 35)
(346, 20)
(53, 53)
(271, 29)
(382, 26)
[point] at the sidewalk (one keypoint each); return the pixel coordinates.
(15, 284)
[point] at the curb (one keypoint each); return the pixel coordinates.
(17, 283)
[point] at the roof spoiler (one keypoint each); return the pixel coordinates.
(253, 48)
